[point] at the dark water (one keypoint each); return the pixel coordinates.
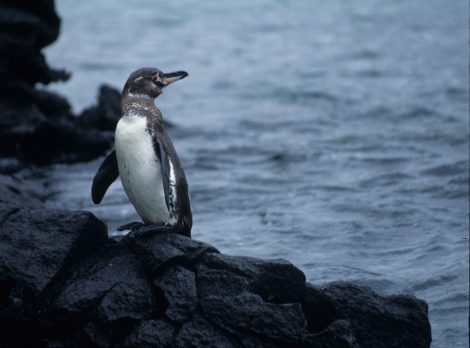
(333, 134)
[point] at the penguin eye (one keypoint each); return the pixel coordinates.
(158, 81)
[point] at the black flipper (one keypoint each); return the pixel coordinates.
(104, 177)
(165, 167)
(175, 185)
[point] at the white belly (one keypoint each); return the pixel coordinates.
(140, 170)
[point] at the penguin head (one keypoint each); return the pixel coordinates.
(150, 81)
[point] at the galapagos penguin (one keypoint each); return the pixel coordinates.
(145, 159)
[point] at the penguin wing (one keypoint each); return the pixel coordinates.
(104, 177)
(165, 168)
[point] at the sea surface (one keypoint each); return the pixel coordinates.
(334, 134)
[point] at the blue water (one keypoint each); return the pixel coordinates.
(333, 134)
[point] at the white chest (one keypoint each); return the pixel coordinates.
(140, 169)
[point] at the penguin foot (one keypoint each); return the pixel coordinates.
(130, 226)
(147, 231)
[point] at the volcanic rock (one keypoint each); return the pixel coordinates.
(66, 284)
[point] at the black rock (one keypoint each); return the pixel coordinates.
(35, 244)
(42, 130)
(178, 284)
(219, 281)
(66, 284)
(27, 27)
(167, 249)
(276, 281)
(247, 313)
(150, 334)
(198, 332)
(338, 334)
(37, 126)
(107, 290)
(36, 247)
(106, 114)
(318, 308)
(378, 321)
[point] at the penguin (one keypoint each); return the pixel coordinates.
(145, 159)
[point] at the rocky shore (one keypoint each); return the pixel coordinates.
(65, 283)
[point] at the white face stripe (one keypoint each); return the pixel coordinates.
(139, 96)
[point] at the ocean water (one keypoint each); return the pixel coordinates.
(332, 134)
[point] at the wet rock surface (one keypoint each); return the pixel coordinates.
(66, 283)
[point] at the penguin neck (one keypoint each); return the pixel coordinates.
(141, 104)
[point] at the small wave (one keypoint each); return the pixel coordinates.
(455, 194)
(450, 169)
(300, 96)
(381, 285)
(335, 188)
(366, 54)
(453, 298)
(380, 111)
(347, 139)
(456, 91)
(418, 112)
(385, 180)
(370, 73)
(450, 119)
(450, 310)
(282, 158)
(396, 251)
(432, 282)
(460, 180)
(356, 270)
(386, 160)
(205, 163)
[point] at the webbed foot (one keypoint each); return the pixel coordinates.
(130, 226)
(146, 231)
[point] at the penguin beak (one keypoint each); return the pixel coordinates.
(168, 78)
